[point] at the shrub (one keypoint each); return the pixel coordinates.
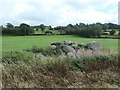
(48, 33)
(15, 57)
(112, 32)
(45, 51)
(60, 71)
(35, 49)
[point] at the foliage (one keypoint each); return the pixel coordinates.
(92, 30)
(81, 29)
(42, 27)
(45, 51)
(113, 26)
(15, 57)
(61, 29)
(9, 25)
(23, 29)
(105, 27)
(62, 72)
(112, 32)
(48, 32)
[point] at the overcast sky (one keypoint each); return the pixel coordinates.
(58, 12)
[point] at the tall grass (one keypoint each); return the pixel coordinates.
(96, 70)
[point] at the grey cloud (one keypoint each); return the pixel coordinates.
(43, 12)
(38, 15)
(76, 5)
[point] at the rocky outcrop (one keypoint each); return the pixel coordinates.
(94, 45)
(75, 49)
(68, 49)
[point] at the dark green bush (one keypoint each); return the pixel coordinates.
(35, 49)
(45, 51)
(112, 32)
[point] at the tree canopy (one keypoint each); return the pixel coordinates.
(23, 29)
(81, 29)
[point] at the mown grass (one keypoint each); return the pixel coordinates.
(18, 43)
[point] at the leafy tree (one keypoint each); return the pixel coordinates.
(113, 26)
(42, 27)
(9, 30)
(81, 29)
(25, 29)
(105, 27)
(9, 25)
(77, 29)
(60, 28)
(50, 28)
(70, 29)
(98, 29)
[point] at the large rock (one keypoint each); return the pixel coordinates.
(94, 45)
(71, 54)
(66, 42)
(89, 52)
(53, 46)
(67, 49)
(40, 56)
(73, 49)
(82, 45)
(80, 53)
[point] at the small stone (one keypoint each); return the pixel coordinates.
(53, 46)
(39, 55)
(71, 54)
(66, 42)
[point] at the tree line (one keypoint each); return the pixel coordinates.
(21, 30)
(88, 30)
(81, 29)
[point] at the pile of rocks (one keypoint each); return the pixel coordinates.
(69, 47)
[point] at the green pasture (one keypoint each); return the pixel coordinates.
(18, 43)
(43, 32)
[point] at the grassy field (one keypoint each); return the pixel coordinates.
(18, 43)
(27, 70)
